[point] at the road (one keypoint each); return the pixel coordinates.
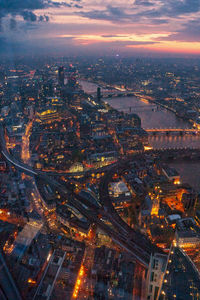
(131, 243)
(30, 171)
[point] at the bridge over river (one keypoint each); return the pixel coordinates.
(155, 131)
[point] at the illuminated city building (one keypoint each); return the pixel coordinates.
(155, 206)
(171, 174)
(70, 219)
(48, 115)
(187, 233)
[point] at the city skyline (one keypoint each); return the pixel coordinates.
(99, 149)
(100, 183)
(147, 28)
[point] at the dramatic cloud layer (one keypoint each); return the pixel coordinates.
(26, 8)
(107, 25)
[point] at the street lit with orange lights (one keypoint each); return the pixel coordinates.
(25, 153)
(79, 281)
(9, 245)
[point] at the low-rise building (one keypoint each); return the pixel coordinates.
(187, 233)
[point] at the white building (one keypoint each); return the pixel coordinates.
(156, 272)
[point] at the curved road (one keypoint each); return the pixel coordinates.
(124, 236)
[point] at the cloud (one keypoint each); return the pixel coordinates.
(130, 43)
(111, 13)
(27, 8)
(43, 18)
(78, 6)
(121, 14)
(25, 15)
(29, 16)
(112, 35)
(180, 7)
(13, 24)
(143, 3)
(19, 5)
(173, 8)
(159, 21)
(153, 11)
(188, 33)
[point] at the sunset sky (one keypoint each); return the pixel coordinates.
(104, 26)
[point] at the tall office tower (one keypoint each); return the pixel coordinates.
(98, 94)
(61, 76)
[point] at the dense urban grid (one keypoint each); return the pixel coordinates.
(89, 208)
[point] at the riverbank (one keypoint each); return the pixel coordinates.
(163, 118)
(94, 85)
(149, 99)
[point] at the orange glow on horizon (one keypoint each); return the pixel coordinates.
(158, 45)
(172, 47)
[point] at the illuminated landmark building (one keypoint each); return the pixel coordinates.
(61, 76)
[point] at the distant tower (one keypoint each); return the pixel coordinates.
(61, 76)
(98, 94)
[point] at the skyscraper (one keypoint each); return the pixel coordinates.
(61, 76)
(98, 94)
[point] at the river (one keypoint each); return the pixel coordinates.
(90, 87)
(153, 116)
